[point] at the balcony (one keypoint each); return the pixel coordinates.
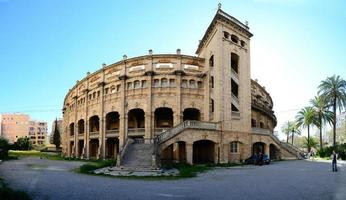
(94, 134)
(112, 133)
(261, 131)
(135, 131)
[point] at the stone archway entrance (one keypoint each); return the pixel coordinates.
(136, 124)
(80, 148)
(274, 152)
(94, 145)
(174, 153)
(112, 147)
(203, 152)
(258, 147)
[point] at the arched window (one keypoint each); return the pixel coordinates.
(172, 82)
(129, 85)
(184, 83)
(242, 43)
(234, 147)
(200, 84)
(226, 34)
(211, 61)
(192, 84)
(137, 84)
(253, 123)
(144, 83)
(234, 38)
(164, 82)
(156, 83)
(212, 105)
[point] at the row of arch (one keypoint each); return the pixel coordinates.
(206, 151)
(163, 118)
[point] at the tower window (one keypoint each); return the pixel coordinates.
(212, 81)
(234, 62)
(234, 39)
(226, 34)
(211, 61)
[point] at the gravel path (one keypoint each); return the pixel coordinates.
(46, 179)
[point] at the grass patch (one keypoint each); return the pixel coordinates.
(9, 194)
(188, 171)
(44, 155)
(93, 165)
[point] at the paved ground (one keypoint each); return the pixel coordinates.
(45, 179)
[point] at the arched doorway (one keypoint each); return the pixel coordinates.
(112, 121)
(81, 127)
(112, 147)
(136, 124)
(163, 118)
(191, 114)
(203, 152)
(94, 125)
(257, 148)
(273, 152)
(80, 148)
(72, 129)
(174, 153)
(94, 145)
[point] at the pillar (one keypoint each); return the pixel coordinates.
(189, 153)
(266, 149)
(147, 134)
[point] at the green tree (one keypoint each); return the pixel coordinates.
(305, 119)
(4, 146)
(334, 91)
(286, 129)
(322, 114)
(56, 135)
(24, 143)
(310, 142)
(294, 129)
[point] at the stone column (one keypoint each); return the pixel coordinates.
(178, 112)
(147, 135)
(176, 152)
(266, 149)
(189, 153)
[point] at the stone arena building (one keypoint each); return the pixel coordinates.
(163, 108)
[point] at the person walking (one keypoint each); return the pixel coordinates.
(334, 158)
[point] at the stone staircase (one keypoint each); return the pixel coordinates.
(138, 155)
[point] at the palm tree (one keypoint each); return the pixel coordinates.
(286, 129)
(305, 118)
(334, 91)
(294, 129)
(322, 114)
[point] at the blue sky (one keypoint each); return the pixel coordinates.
(46, 45)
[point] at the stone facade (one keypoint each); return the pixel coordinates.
(145, 97)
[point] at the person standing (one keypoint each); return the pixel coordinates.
(334, 158)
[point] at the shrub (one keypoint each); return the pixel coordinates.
(4, 147)
(24, 143)
(327, 151)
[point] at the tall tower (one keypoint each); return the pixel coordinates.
(226, 49)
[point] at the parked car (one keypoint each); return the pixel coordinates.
(254, 159)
